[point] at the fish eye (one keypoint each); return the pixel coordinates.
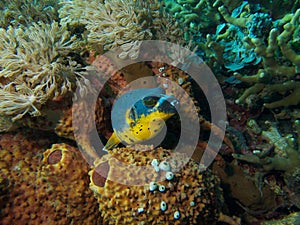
(150, 101)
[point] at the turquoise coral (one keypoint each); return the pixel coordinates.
(275, 76)
(195, 15)
(275, 42)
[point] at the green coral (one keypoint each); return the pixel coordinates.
(278, 70)
(194, 14)
(286, 151)
(283, 156)
(37, 65)
(292, 219)
(274, 42)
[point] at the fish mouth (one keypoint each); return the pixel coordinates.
(175, 103)
(170, 105)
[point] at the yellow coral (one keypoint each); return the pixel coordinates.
(44, 186)
(186, 196)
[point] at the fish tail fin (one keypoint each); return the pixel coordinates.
(112, 142)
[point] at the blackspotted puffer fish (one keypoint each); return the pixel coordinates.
(139, 115)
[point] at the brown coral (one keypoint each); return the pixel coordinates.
(121, 23)
(52, 190)
(38, 63)
(189, 197)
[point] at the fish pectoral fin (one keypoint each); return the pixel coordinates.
(112, 142)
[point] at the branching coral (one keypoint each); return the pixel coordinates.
(120, 23)
(37, 64)
(16, 12)
(225, 47)
(196, 15)
(250, 37)
(285, 157)
(278, 70)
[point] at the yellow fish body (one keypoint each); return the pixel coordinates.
(139, 115)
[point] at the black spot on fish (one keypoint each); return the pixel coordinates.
(137, 132)
(155, 131)
(126, 136)
(141, 129)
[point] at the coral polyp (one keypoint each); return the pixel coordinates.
(37, 64)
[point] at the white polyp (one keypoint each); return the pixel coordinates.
(163, 206)
(169, 175)
(152, 186)
(155, 162)
(161, 69)
(176, 215)
(164, 165)
(140, 210)
(161, 188)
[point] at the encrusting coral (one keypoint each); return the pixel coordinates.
(38, 63)
(45, 186)
(184, 196)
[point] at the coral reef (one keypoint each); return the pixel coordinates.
(17, 12)
(195, 15)
(121, 23)
(284, 157)
(186, 196)
(37, 64)
(279, 57)
(276, 76)
(277, 8)
(49, 48)
(44, 186)
(293, 218)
